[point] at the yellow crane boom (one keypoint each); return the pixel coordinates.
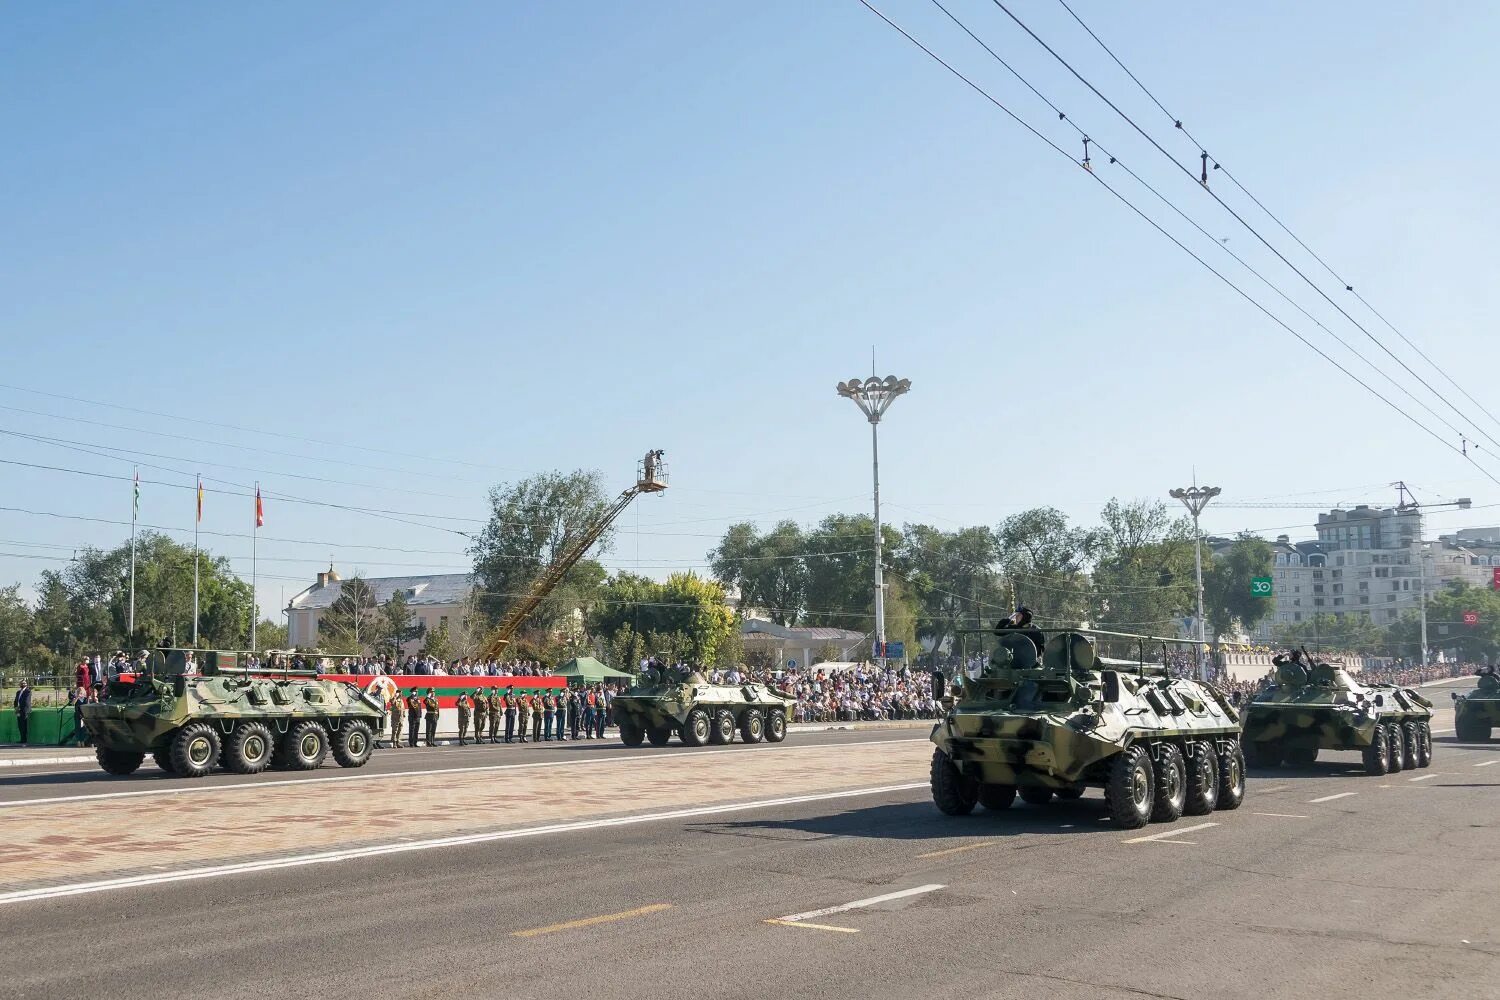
(651, 477)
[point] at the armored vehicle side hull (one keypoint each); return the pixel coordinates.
(1476, 715)
(1389, 726)
(700, 713)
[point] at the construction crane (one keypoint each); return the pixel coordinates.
(1405, 503)
(650, 477)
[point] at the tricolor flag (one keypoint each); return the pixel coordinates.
(200, 499)
(260, 510)
(135, 503)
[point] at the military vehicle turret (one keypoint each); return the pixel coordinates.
(1313, 705)
(1053, 725)
(1477, 714)
(668, 701)
(192, 710)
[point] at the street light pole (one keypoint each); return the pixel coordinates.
(1195, 499)
(1422, 572)
(874, 396)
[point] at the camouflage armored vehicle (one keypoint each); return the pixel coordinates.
(668, 701)
(1315, 706)
(1476, 714)
(188, 720)
(1056, 724)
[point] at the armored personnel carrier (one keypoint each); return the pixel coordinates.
(670, 701)
(191, 715)
(1477, 713)
(1054, 725)
(1316, 706)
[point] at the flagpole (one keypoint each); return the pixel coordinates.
(135, 503)
(254, 538)
(196, 521)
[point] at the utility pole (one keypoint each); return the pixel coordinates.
(1407, 503)
(1195, 499)
(874, 396)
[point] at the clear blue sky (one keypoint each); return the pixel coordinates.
(530, 236)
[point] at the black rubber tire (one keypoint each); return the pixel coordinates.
(658, 736)
(1396, 752)
(1377, 755)
(1263, 753)
(696, 729)
(1409, 740)
(952, 793)
(776, 725)
(248, 749)
(1202, 780)
(163, 758)
(195, 750)
(1465, 731)
(1035, 795)
(1131, 788)
(1071, 794)
(631, 734)
(353, 743)
(997, 798)
(1301, 756)
(1171, 784)
(118, 762)
(1231, 777)
(1424, 744)
(300, 751)
(723, 730)
(753, 726)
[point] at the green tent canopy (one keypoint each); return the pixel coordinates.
(589, 670)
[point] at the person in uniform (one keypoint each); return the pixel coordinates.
(536, 717)
(1020, 621)
(575, 709)
(465, 713)
(601, 715)
(430, 706)
(481, 714)
(497, 708)
(413, 717)
(397, 708)
(510, 713)
(549, 715)
(562, 713)
(524, 711)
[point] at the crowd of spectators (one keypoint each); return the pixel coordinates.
(419, 666)
(862, 693)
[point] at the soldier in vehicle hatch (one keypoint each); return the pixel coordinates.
(1020, 621)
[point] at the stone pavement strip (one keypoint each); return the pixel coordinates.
(102, 837)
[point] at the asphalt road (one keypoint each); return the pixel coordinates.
(1325, 883)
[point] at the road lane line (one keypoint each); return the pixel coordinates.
(1157, 837)
(1269, 791)
(860, 904)
(1422, 777)
(959, 850)
(1330, 798)
(1488, 763)
(283, 782)
(603, 918)
(1281, 815)
(462, 840)
(814, 927)
(1440, 730)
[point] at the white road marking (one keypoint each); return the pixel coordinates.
(1422, 777)
(1330, 798)
(1269, 791)
(464, 840)
(1281, 815)
(1440, 731)
(250, 785)
(1488, 763)
(1168, 833)
(860, 904)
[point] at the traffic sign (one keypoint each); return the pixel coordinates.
(1471, 617)
(1260, 586)
(791, 664)
(891, 651)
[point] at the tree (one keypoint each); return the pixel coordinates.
(684, 617)
(1227, 600)
(769, 570)
(1143, 570)
(1046, 560)
(1446, 630)
(398, 624)
(440, 643)
(350, 625)
(271, 635)
(531, 524)
(1351, 633)
(955, 577)
(15, 625)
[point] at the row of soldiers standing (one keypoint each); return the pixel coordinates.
(545, 715)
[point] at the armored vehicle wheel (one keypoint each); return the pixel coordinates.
(697, 728)
(1409, 740)
(1424, 744)
(163, 759)
(1069, 794)
(1465, 731)
(1395, 753)
(353, 743)
(1263, 753)
(954, 794)
(120, 762)
(194, 750)
(753, 726)
(776, 726)
(248, 750)
(1377, 755)
(723, 731)
(1301, 756)
(1202, 780)
(659, 735)
(1171, 785)
(1231, 777)
(997, 798)
(631, 734)
(1131, 788)
(304, 746)
(1035, 795)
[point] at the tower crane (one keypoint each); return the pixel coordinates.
(651, 477)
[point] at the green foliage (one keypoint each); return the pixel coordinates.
(271, 635)
(954, 577)
(439, 642)
(684, 618)
(15, 625)
(532, 523)
(1445, 628)
(768, 570)
(399, 624)
(351, 624)
(1226, 585)
(1046, 560)
(1143, 573)
(1351, 634)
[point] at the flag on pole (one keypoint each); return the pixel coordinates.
(260, 510)
(135, 503)
(200, 499)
